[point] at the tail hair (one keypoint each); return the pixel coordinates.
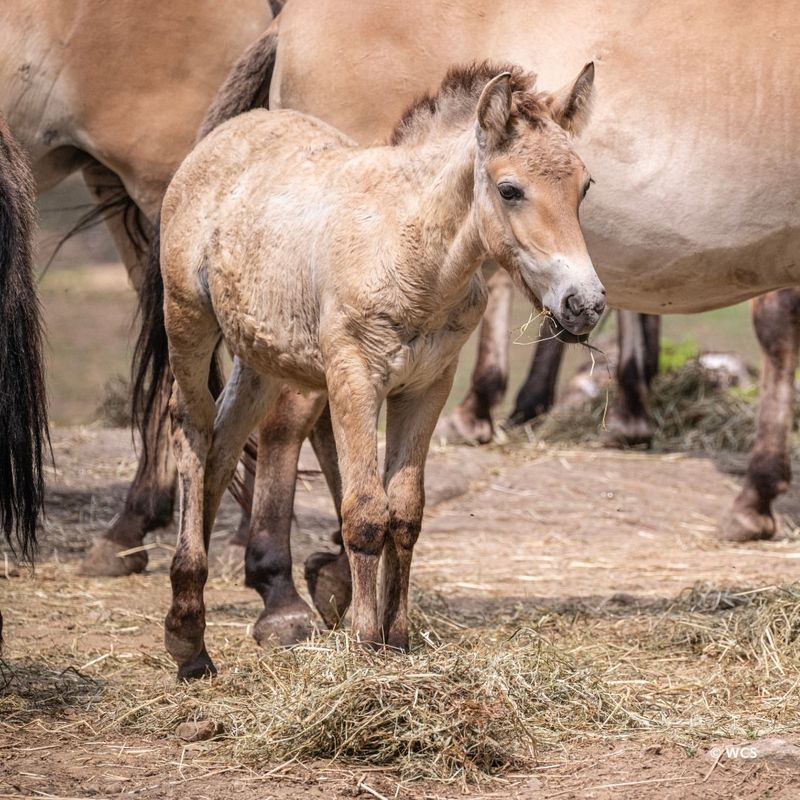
(24, 435)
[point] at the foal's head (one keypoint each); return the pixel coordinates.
(529, 183)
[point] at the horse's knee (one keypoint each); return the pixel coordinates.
(365, 521)
(405, 532)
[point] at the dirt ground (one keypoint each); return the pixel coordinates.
(507, 530)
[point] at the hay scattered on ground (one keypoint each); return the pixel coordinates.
(476, 699)
(691, 409)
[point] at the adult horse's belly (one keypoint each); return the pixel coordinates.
(694, 143)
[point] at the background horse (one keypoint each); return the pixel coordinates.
(118, 91)
(23, 406)
(696, 201)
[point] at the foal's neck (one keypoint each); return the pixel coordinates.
(451, 247)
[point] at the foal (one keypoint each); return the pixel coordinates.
(356, 272)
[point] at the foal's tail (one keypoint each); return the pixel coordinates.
(23, 404)
(246, 88)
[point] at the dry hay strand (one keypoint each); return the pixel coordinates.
(449, 711)
(692, 409)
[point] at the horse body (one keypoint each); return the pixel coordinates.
(118, 91)
(125, 83)
(355, 272)
(696, 151)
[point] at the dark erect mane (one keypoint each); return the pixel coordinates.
(458, 94)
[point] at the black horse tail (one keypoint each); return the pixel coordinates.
(23, 404)
(246, 88)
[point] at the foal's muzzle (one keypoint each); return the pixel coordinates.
(580, 312)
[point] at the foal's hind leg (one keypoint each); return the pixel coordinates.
(776, 317)
(268, 561)
(328, 574)
(151, 497)
(410, 420)
(471, 420)
(208, 442)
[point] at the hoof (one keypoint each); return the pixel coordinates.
(627, 432)
(747, 525)
(199, 667)
(463, 427)
(329, 584)
(284, 627)
(103, 561)
(398, 641)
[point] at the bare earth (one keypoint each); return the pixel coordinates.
(505, 530)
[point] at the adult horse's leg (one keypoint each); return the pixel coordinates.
(410, 421)
(328, 574)
(151, 497)
(629, 419)
(208, 441)
(268, 561)
(538, 393)
(471, 420)
(776, 317)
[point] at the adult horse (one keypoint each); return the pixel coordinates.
(23, 413)
(695, 207)
(117, 91)
(696, 203)
(356, 272)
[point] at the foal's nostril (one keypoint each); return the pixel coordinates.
(600, 305)
(573, 305)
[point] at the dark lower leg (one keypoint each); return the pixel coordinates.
(148, 506)
(328, 574)
(538, 393)
(268, 561)
(184, 626)
(629, 420)
(471, 420)
(397, 554)
(776, 318)
(151, 497)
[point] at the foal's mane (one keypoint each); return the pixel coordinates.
(455, 100)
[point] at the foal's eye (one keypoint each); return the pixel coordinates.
(508, 191)
(586, 186)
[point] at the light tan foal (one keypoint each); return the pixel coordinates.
(356, 272)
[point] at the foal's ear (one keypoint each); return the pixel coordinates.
(494, 109)
(572, 104)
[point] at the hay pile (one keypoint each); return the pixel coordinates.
(692, 410)
(472, 707)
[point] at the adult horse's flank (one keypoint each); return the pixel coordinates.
(356, 272)
(23, 408)
(118, 91)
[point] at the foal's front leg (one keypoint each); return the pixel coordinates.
(410, 422)
(354, 403)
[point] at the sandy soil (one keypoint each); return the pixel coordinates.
(505, 530)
